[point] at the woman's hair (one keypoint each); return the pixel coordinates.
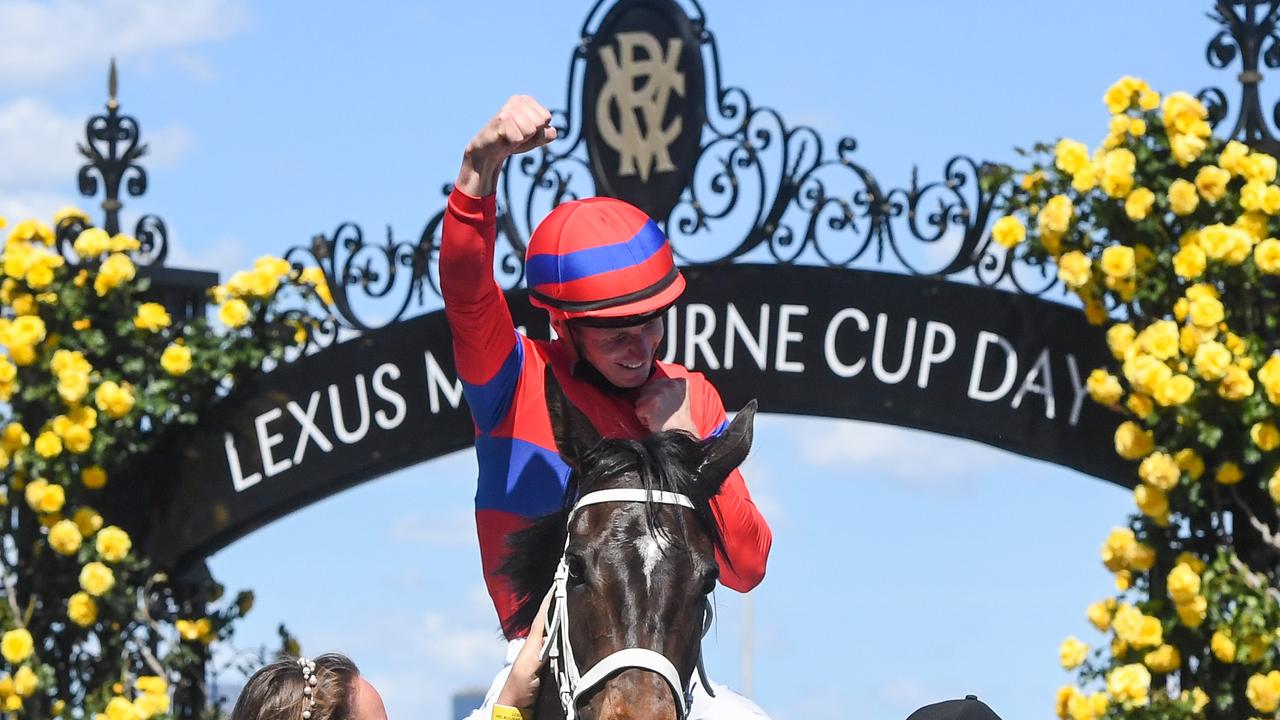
(275, 692)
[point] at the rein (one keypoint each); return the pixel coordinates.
(564, 667)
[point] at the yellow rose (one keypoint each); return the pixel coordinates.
(1116, 185)
(1129, 685)
(1236, 384)
(1119, 337)
(314, 276)
(82, 610)
(1189, 262)
(1269, 375)
(1184, 583)
(1065, 695)
(113, 544)
(94, 477)
(1258, 167)
(17, 645)
(121, 709)
(1228, 473)
(1153, 503)
(1118, 549)
(1211, 182)
(1181, 113)
(1072, 653)
(1074, 269)
(115, 400)
(14, 437)
(1104, 387)
(1266, 255)
(77, 438)
(1193, 612)
(64, 537)
(1099, 614)
(1263, 691)
(152, 685)
(152, 316)
(1007, 232)
(1139, 203)
(116, 270)
(45, 497)
(1190, 462)
(1253, 223)
(1223, 647)
(25, 682)
(1253, 195)
(1140, 405)
(97, 579)
(149, 705)
(1160, 471)
(1265, 435)
(1160, 339)
(1164, 659)
(1212, 360)
(1185, 148)
(1056, 215)
(234, 313)
(1233, 156)
(68, 213)
(1183, 197)
(88, 521)
(176, 359)
(1175, 391)
(1070, 156)
(48, 445)
(1206, 312)
(1117, 261)
(1085, 179)
(92, 242)
(1273, 487)
(1132, 442)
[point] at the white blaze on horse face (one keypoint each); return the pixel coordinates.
(651, 550)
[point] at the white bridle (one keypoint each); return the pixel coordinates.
(557, 647)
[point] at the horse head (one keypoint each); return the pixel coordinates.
(632, 560)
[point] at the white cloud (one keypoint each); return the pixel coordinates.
(225, 255)
(44, 41)
(455, 529)
(38, 144)
(17, 206)
(851, 445)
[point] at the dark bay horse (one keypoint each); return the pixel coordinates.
(631, 561)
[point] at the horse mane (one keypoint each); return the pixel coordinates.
(666, 461)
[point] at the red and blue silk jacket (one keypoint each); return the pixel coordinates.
(521, 475)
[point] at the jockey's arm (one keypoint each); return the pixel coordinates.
(747, 537)
(486, 350)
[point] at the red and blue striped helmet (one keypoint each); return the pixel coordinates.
(600, 258)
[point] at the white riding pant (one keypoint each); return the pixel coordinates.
(726, 705)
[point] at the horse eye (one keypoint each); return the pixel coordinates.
(577, 569)
(709, 579)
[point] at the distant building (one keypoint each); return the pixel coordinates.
(465, 701)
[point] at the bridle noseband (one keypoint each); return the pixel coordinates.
(572, 684)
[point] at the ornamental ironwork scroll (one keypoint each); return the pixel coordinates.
(648, 116)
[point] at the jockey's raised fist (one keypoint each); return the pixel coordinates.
(520, 126)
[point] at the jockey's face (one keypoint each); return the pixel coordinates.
(623, 355)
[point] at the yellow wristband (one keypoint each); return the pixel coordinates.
(506, 712)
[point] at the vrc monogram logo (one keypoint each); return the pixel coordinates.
(640, 86)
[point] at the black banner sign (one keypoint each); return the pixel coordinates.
(1003, 369)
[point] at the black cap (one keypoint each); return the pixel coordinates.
(970, 708)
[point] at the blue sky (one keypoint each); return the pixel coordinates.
(895, 581)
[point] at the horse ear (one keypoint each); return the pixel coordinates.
(727, 451)
(573, 431)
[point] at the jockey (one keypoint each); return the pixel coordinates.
(605, 273)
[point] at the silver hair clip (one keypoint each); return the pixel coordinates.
(308, 683)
